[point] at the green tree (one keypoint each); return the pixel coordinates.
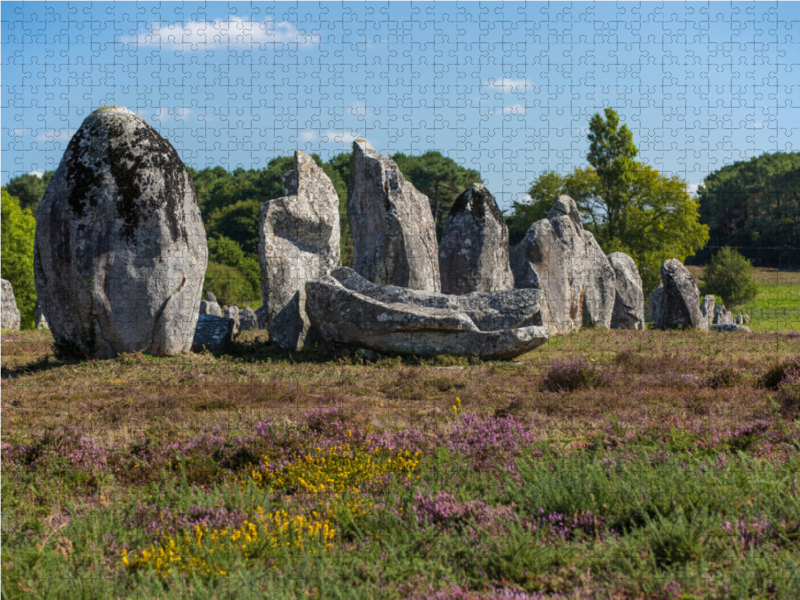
(230, 286)
(29, 189)
(440, 178)
(238, 222)
(544, 192)
(17, 229)
(730, 275)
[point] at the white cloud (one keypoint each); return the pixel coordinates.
(524, 198)
(230, 32)
(163, 115)
(692, 187)
(758, 125)
(56, 135)
(20, 131)
(37, 172)
(514, 109)
(508, 85)
(307, 136)
(344, 137)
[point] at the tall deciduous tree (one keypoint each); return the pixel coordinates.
(17, 229)
(29, 189)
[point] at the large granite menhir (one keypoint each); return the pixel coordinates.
(564, 260)
(120, 250)
(473, 255)
(680, 300)
(394, 236)
(629, 299)
(298, 242)
(11, 317)
(348, 309)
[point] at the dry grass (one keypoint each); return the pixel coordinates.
(762, 275)
(656, 374)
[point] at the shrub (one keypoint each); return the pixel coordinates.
(568, 376)
(773, 378)
(724, 378)
(730, 276)
(229, 285)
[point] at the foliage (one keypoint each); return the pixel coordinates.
(440, 178)
(629, 206)
(773, 378)
(754, 205)
(29, 189)
(238, 222)
(730, 276)
(16, 236)
(230, 285)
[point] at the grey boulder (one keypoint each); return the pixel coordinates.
(473, 255)
(681, 302)
(232, 312)
(347, 308)
(731, 328)
(298, 242)
(247, 320)
(564, 260)
(722, 316)
(212, 333)
(394, 236)
(120, 250)
(628, 310)
(656, 302)
(262, 316)
(39, 317)
(209, 306)
(11, 317)
(707, 307)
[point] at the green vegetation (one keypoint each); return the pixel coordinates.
(29, 189)
(16, 235)
(629, 206)
(730, 276)
(670, 472)
(754, 205)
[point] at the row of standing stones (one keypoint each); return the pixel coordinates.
(120, 256)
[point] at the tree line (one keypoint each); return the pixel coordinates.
(628, 206)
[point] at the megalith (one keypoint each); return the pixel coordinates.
(11, 317)
(473, 255)
(298, 242)
(394, 236)
(564, 260)
(681, 300)
(628, 310)
(120, 249)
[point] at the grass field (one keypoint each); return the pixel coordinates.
(659, 467)
(777, 305)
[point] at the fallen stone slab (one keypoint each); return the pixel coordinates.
(348, 309)
(728, 327)
(212, 333)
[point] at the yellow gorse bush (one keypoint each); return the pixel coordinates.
(267, 536)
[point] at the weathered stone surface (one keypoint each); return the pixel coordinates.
(247, 320)
(473, 255)
(212, 333)
(298, 242)
(722, 316)
(742, 319)
(347, 308)
(232, 312)
(262, 316)
(39, 317)
(681, 304)
(120, 249)
(732, 328)
(656, 302)
(707, 307)
(11, 318)
(628, 310)
(210, 307)
(564, 260)
(394, 235)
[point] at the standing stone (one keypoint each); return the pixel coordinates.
(564, 260)
(298, 242)
(707, 308)
(722, 316)
(11, 317)
(473, 256)
(628, 310)
(232, 312)
(656, 302)
(209, 306)
(120, 250)
(39, 318)
(394, 235)
(212, 333)
(262, 316)
(681, 297)
(247, 320)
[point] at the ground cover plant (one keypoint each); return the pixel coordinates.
(607, 464)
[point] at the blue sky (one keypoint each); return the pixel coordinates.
(504, 88)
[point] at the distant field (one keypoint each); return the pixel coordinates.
(777, 306)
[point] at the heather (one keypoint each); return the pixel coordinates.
(318, 476)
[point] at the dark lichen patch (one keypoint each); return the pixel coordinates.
(83, 176)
